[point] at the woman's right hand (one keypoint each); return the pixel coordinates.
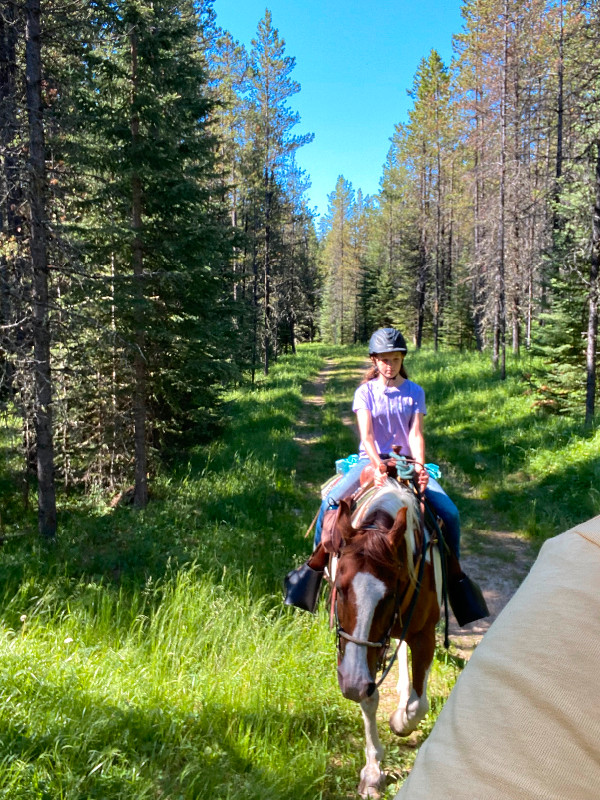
(380, 474)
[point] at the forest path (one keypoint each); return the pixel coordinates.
(497, 560)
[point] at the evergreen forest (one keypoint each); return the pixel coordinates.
(168, 302)
(157, 247)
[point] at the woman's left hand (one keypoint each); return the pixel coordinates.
(423, 479)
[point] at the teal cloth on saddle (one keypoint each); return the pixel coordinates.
(405, 469)
(343, 465)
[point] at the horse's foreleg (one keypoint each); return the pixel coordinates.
(413, 704)
(372, 777)
(403, 686)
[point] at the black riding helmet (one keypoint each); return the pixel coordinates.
(387, 340)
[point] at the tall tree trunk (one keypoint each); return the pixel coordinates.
(342, 273)
(420, 291)
(592, 332)
(518, 158)
(291, 312)
(423, 256)
(556, 221)
(39, 261)
(550, 269)
(11, 191)
(479, 276)
(437, 301)
(267, 273)
(255, 310)
(500, 345)
(140, 410)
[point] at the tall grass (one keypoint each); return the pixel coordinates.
(508, 465)
(148, 654)
(188, 688)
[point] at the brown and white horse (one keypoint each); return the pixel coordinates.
(375, 580)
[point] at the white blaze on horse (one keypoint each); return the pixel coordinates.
(384, 587)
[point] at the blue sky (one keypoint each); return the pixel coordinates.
(355, 60)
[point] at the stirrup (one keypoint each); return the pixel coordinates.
(467, 600)
(302, 587)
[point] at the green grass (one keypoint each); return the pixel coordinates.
(508, 466)
(148, 654)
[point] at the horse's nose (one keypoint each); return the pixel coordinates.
(357, 687)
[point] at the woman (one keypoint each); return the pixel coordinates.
(390, 409)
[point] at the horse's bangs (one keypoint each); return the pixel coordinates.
(372, 545)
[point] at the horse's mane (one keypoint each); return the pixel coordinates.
(380, 512)
(371, 543)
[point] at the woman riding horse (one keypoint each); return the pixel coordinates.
(390, 409)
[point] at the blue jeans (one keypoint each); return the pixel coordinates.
(347, 485)
(437, 498)
(443, 506)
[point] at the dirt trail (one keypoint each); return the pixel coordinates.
(308, 429)
(497, 560)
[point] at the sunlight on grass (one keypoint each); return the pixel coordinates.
(148, 654)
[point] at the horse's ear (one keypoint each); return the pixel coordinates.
(343, 522)
(398, 529)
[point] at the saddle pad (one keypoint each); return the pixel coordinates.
(329, 484)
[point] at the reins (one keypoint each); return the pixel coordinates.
(405, 627)
(384, 642)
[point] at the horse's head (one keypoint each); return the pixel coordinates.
(367, 582)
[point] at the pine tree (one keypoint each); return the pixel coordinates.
(150, 237)
(273, 144)
(38, 253)
(297, 286)
(275, 250)
(229, 73)
(13, 244)
(576, 195)
(393, 259)
(339, 266)
(559, 386)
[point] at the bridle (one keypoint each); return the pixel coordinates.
(384, 643)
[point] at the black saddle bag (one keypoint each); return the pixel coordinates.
(302, 587)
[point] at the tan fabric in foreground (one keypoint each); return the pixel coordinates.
(523, 720)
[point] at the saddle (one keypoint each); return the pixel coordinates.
(330, 538)
(302, 585)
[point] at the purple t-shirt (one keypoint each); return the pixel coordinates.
(392, 410)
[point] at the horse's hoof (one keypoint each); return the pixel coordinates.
(369, 791)
(370, 786)
(400, 724)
